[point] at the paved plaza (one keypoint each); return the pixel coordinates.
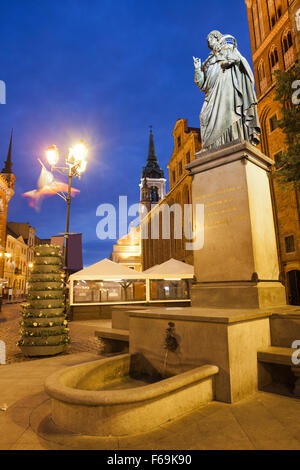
(82, 334)
(263, 421)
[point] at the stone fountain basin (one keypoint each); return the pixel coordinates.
(86, 398)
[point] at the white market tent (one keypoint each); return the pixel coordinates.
(169, 281)
(106, 269)
(107, 282)
(171, 269)
(149, 270)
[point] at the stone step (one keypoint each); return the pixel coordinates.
(113, 339)
(285, 327)
(113, 333)
(279, 356)
(276, 355)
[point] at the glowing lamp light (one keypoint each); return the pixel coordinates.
(30, 265)
(8, 255)
(82, 166)
(77, 155)
(52, 155)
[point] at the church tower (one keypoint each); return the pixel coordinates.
(7, 184)
(153, 182)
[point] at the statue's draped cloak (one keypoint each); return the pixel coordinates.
(229, 111)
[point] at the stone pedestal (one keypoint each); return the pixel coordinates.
(237, 267)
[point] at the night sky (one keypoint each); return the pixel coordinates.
(102, 71)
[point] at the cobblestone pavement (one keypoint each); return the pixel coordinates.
(82, 335)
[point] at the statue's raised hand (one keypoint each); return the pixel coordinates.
(197, 63)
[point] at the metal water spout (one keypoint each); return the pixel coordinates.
(171, 343)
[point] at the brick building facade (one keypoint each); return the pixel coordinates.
(274, 27)
(157, 250)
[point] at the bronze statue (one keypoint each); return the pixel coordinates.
(229, 112)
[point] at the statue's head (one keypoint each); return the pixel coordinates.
(214, 40)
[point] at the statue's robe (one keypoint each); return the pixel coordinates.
(229, 111)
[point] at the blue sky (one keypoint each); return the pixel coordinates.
(102, 71)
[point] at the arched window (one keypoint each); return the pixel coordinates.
(275, 11)
(154, 194)
(287, 40)
(255, 17)
(273, 20)
(274, 60)
(287, 47)
(279, 12)
(262, 76)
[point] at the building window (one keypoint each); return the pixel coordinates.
(289, 243)
(180, 168)
(287, 46)
(274, 123)
(274, 58)
(273, 20)
(179, 141)
(279, 12)
(256, 27)
(173, 176)
(154, 194)
(287, 41)
(262, 76)
(188, 158)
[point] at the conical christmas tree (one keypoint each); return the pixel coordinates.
(44, 327)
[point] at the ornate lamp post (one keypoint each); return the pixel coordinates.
(75, 165)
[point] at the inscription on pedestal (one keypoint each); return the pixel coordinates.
(221, 207)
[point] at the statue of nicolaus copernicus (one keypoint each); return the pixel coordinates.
(229, 111)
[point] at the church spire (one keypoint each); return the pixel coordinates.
(8, 163)
(152, 168)
(151, 148)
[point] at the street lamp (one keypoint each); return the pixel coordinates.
(75, 165)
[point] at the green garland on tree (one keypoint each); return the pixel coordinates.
(44, 329)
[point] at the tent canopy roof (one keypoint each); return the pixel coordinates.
(106, 269)
(171, 269)
(149, 270)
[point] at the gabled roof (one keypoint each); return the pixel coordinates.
(171, 269)
(106, 269)
(10, 232)
(15, 235)
(149, 270)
